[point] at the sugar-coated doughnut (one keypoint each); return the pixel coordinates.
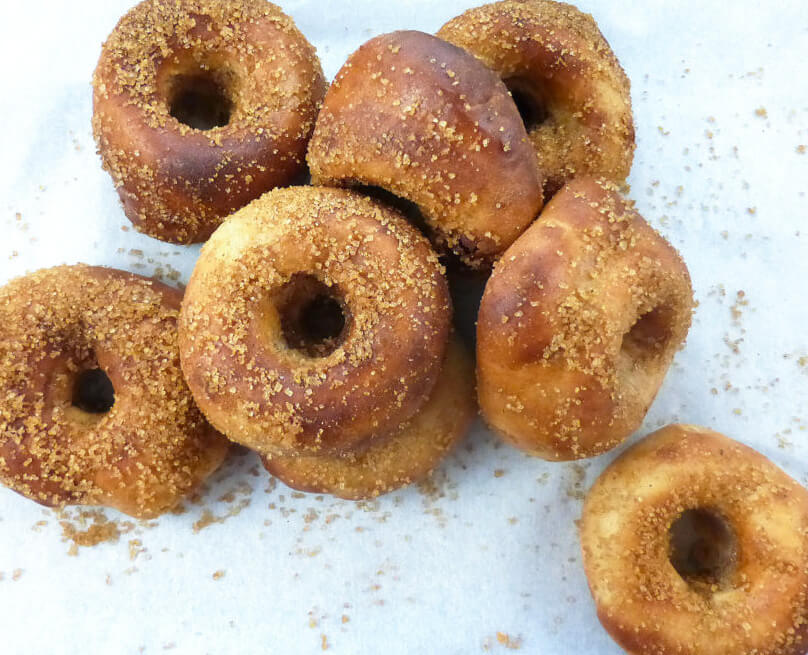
(426, 121)
(93, 406)
(315, 321)
(578, 325)
(695, 544)
(200, 106)
(407, 456)
(571, 90)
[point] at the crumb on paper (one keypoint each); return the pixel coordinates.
(761, 112)
(498, 473)
(323, 642)
(135, 548)
(802, 149)
(88, 528)
(218, 575)
(509, 642)
(208, 518)
(16, 574)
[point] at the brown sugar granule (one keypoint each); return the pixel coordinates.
(208, 518)
(509, 642)
(102, 531)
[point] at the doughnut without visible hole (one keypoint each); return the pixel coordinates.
(424, 120)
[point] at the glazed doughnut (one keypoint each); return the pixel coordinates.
(315, 320)
(404, 458)
(695, 544)
(578, 325)
(571, 90)
(93, 406)
(427, 122)
(200, 106)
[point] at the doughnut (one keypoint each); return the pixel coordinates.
(425, 121)
(314, 321)
(93, 406)
(570, 89)
(200, 106)
(695, 544)
(406, 457)
(578, 325)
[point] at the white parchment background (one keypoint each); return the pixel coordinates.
(721, 107)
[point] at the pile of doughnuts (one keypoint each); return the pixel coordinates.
(317, 327)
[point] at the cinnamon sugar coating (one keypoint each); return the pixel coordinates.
(407, 456)
(427, 122)
(578, 325)
(177, 182)
(759, 603)
(152, 447)
(555, 58)
(270, 264)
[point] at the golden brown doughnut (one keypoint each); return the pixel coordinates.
(200, 106)
(695, 544)
(571, 90)
(578, 325)
(93, 406)
(402, 459)
(315, 320)
(427, 122)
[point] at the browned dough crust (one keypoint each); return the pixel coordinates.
(426, 121)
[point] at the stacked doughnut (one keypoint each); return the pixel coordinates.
(315, 330)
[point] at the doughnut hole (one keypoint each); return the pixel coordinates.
(93, 392)
(648, 336)
(703, 548)
(200, 99)
(314, 317)
(531, 105)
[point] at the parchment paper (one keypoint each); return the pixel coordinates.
(485, 557)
